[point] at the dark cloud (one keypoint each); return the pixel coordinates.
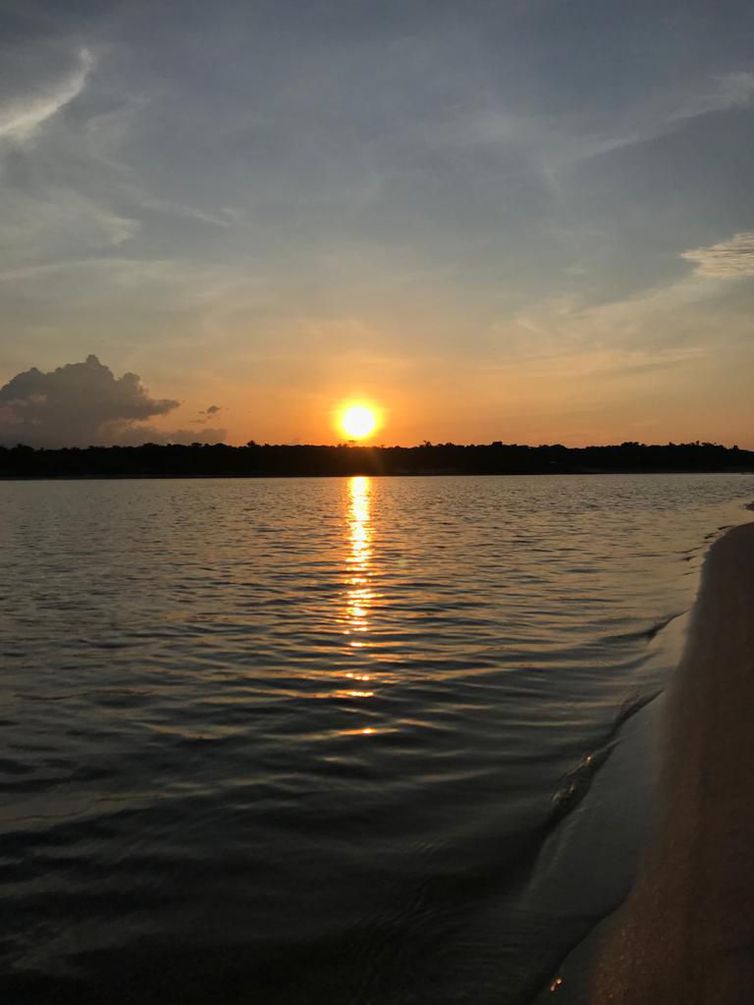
(80, 404)
(206, 413)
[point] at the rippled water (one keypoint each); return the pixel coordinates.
(306, 741)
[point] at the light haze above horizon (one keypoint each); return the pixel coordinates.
(520, 221)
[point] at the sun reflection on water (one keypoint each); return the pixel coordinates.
(359, 593)
(359, 558)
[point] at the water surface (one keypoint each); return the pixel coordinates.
(306, 741)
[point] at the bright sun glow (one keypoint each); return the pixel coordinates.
(357, 421)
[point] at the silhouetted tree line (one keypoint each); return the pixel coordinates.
(256, 460)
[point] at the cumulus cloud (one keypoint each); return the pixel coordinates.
(76, 405)
(733, 258)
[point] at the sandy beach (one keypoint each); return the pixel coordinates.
(686, 932)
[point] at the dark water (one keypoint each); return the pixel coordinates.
(333, 741)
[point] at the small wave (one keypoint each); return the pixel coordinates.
(577, 783)
(656, 628)
(645, 634)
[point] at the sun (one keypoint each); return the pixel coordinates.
(358, 420)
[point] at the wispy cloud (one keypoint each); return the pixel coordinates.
(194, 284)
(21, 116)
(658, 328)
(723, 92)
(670, 111)
(732, 259)
(51, 222)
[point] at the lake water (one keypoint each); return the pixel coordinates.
(329, 741)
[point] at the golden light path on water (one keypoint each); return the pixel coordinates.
(359, 593)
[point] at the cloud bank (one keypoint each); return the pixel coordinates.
(81, 404)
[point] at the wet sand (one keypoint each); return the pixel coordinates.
(686, 932)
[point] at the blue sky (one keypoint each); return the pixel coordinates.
(528, 221)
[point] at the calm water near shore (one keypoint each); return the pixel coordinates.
(341, 741)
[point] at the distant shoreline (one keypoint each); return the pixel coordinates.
(360, 474)
(284, 461)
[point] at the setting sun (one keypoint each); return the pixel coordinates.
(357, 420)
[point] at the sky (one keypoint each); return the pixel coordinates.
(520, 220)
